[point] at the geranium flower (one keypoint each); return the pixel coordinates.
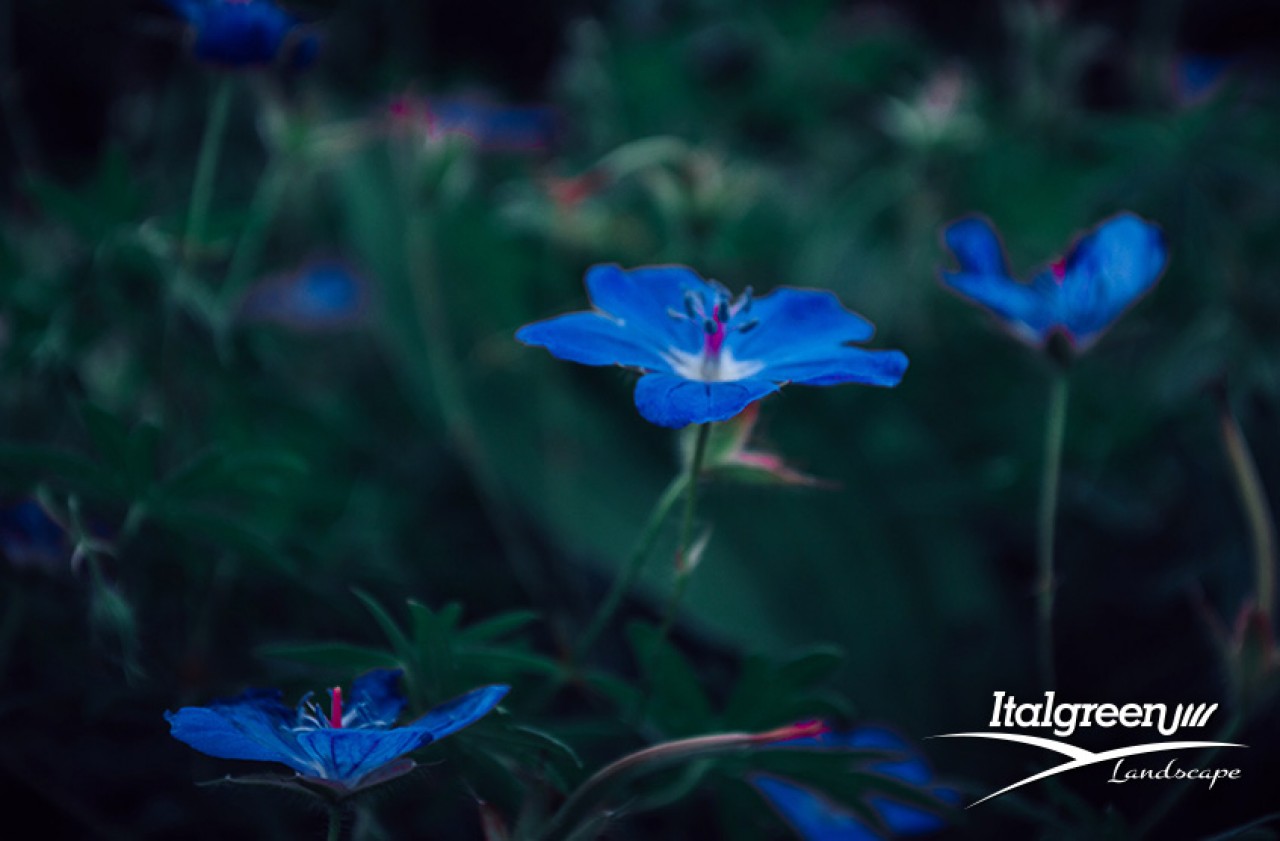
(1079, 296)
(246, 33)
(324, 294)
(29, 537)
(705, 354)
(348, 749)
(817, 818)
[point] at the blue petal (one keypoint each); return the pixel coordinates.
(376, 699)
(905, 819)
(841, 365)
(29, 536)
(976, 246)
(253, 728)
(811, 815)
(347, 755)
(321, 295)
(911, 769)
(642, 301)
(594, 339)
(452, 716)
(1029, 310)
(1106, 272)
(673, 401)
(794, 325)
(239, 34)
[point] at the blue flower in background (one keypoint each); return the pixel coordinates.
(246, 33)
(350, 748)
(29, 537)
(321, 295)
(816, 818)
(1080, 296)
(706, 355)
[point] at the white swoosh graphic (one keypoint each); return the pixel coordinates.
(1079, 756)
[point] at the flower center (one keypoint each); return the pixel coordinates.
(335, 707)
(716, 314)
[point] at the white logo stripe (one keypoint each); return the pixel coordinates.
(1080, 756)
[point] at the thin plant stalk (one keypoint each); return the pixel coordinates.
(207, 167)
(335, 822)
(633, 565)
(1257, 508)
(1046, 583)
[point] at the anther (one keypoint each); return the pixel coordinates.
(710, 326)
(691, 305)
(748, 326)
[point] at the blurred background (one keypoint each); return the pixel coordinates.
(318, 389)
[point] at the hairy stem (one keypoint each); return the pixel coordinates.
(1055, 432)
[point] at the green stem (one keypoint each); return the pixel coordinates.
(335, 822)
(206, 168)
(684, 571)
(1055, 432)
(633, 565)
(1175, 793)
(1257, 508)
(248, 250)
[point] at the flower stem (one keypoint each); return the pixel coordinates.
(1055, 432)
(684, 571)
(589, 797)
(1253, 496)
(633, 565)
(248, 250)
(335, 822)
(206, 167)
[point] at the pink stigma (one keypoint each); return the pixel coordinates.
(1059, 269)
(714, 341)
(335, 707)
(799, 730)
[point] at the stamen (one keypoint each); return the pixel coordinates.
(748, 326)
(710, 326)
(676, 314)
(722, 311)
(335, 707)
(744, 305)
(692, 305)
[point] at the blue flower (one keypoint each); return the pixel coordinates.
(344, 750)
(321, 295)
(246, 33)
(1079, 296)
(29, 537)
(816, 818)
(706, 355)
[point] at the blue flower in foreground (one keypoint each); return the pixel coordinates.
(346, 750)
(321, 295)
(706, 355)
(816, 818)
(1079, 296)
(246, 33)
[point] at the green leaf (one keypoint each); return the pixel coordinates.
(498, 626)
(677, 701)
(813, 666)
(353, 659)
(400, 644)
(108, 433)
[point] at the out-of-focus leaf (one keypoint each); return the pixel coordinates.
(339, 656)
(677, 700)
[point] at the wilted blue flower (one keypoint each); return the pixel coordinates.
(322, 295)
(706, 355)
(29, 537)
(246, 33)
(345, 749)
(816, 818)
(1079, 296)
